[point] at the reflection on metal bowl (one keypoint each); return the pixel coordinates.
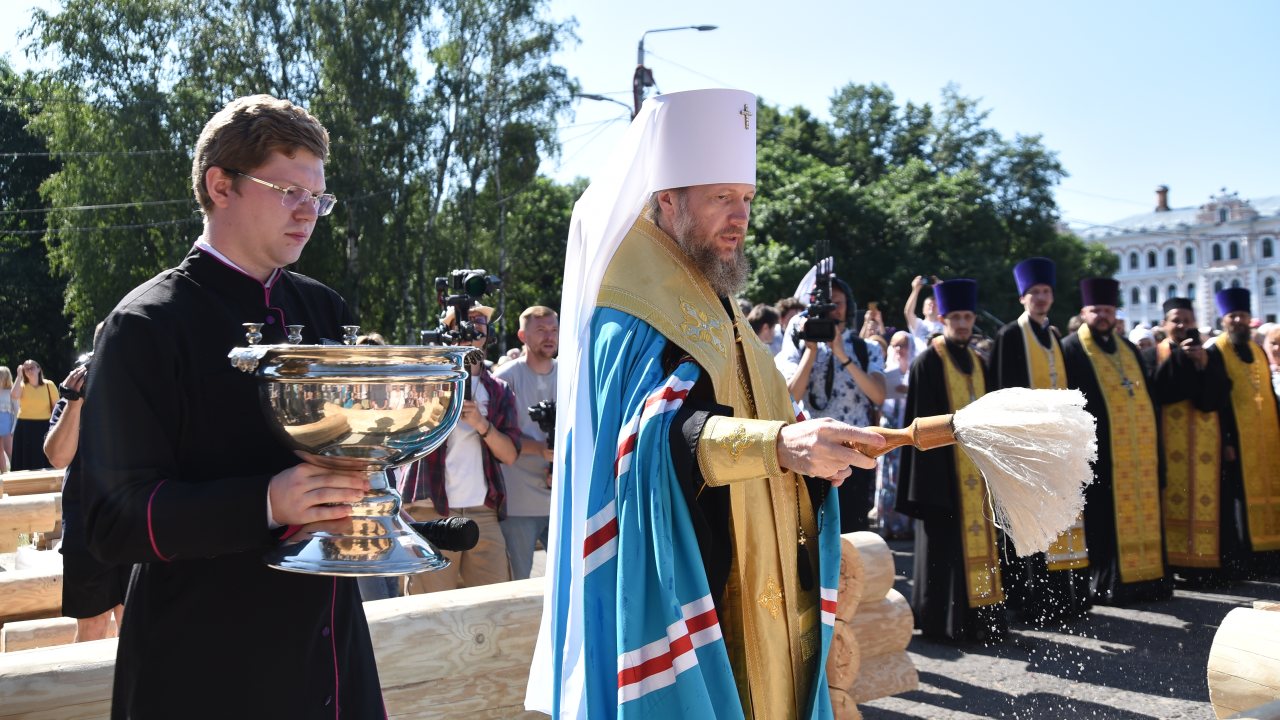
(359, 407)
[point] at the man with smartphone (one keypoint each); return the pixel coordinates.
(1203, 502)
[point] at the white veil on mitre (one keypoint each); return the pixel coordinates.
(699, 137)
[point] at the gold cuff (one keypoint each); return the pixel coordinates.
(734, 449)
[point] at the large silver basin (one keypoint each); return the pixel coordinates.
(367, 408)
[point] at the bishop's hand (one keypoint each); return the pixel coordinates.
(823, 448)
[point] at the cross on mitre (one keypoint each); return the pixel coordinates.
(745, 112)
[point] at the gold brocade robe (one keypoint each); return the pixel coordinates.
(1191, 442)
(771, 627)
(1258, 429)
(1046, 369)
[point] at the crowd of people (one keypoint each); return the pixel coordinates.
(703, 439)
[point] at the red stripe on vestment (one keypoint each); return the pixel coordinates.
(599, 538)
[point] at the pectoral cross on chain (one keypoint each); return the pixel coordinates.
(745, 112)
(1127, 384)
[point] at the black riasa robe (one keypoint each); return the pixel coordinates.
(929, 492)
(1099, 510)
(1175, 380)
(176, 457)
(1035, 593)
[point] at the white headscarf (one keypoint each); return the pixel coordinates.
(699, 137)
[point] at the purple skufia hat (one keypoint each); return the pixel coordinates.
(1099, 291)
(1232, 300)
(1034, 271)
(953, 295)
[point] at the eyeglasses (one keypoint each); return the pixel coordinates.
(295, 195)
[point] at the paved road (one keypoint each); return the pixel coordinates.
(1147, 661)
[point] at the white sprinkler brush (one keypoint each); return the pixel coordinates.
(1035, 449)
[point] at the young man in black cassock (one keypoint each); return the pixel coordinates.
(182, 475)
(1203, 502)
(1122, 518)
(957, 593)
(1053, 586)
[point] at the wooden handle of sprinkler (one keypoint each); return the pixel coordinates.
(924, 433)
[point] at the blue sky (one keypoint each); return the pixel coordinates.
(1131, 94)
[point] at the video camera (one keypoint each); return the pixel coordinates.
(819, 325)
(544, 413)
(460, 291)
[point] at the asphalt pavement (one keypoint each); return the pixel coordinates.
(1131, 663)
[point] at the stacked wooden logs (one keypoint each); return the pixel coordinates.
(1244, 663)
(31, 596)
(868, 657)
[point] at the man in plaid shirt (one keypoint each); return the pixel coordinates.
(464, 477)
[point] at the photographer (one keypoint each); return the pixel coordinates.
(92, 591)
(464, 477)
(842, 380)
(532, 378)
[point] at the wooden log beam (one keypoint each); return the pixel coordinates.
(1270, 711)
(845, 658)
(28, 514)
(849, 591)
(843, 706)
(30, 594)
(30, 482)
(888, 675)
(1244, 661)
(877, 564)
(458, 654)
(30, 634)
(883, 627)
(66, 682)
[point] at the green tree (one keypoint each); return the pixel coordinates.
(895, 192)
(33, 326)
(432, 108)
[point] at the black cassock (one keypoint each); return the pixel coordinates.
(928, 491)
(1037, 594)
(1209, 390)
(1099, 510)
(176, 456)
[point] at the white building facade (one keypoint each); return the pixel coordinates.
(1194, 252)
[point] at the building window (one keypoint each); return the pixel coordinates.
(1133, 261)
(1223, 215)
(1268, 247)
(1233, 251)
(1217, 286)
(1170, 258)
(1153, 295)
(1151, 258)
(1191, 291)
(1191, 255)
(1136, 296)
(1235, 283)
(1269, 287)
(1173, 292)
(1217, 252)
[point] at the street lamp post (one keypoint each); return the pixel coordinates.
(643, 77)
(602, 98)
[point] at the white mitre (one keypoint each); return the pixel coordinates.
(699, 137)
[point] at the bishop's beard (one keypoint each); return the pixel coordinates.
(726, 277)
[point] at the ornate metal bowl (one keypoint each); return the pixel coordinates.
(367, 408)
